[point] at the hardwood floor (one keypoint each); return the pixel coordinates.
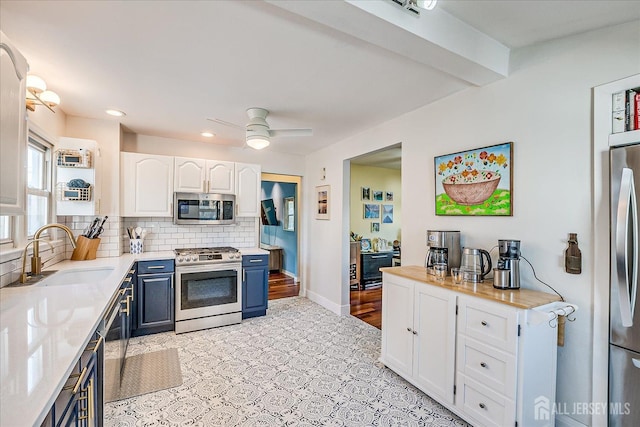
(282, 286)
(367, 305)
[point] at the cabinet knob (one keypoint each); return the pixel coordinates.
(414, 332)
(409, 330)
(482, 405)
(484, 365)
(484, 323)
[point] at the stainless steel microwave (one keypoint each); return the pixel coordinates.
(204, 208)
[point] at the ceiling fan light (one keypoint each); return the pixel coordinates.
(426, 4)
(50, 98)
(257, 142)
(35, 84)
(115, 113)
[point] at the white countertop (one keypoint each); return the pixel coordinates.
(43, 330)
(253, 251)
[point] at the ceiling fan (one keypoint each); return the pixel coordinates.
(257, 130)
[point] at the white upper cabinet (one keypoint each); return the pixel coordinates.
(204, 176)
(248, 190)
(146, 185)
(13, 131)
(220, 177)
(189, 175)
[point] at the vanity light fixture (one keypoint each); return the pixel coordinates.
(207, 134)
(115, 113)
(37, 94)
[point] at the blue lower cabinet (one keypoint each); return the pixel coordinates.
(155, 298)
(255, 285)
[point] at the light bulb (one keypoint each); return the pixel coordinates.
(257, 143)
(50, 98)
(35, 84)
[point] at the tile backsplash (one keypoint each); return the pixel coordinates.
(164, 235)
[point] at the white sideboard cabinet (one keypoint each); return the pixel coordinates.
(489, 361)
(412, 345)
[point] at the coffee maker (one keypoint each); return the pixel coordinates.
(507, 273)
(442, 247)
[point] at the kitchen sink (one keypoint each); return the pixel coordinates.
(76, 276)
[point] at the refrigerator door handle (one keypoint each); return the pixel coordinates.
(627, 215)
(636, 362)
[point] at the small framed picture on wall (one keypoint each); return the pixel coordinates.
(371, 211)
(375, 227)
(366, 193)
(323, 195)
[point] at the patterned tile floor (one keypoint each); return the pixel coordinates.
(301, 365)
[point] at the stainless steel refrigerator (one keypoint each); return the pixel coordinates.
(624, 333)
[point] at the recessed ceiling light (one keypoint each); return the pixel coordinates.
(207, 134)
(116, 113)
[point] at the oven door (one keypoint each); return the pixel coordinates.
(208, 290)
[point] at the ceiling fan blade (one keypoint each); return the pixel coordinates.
(290, 132)
(223, 122)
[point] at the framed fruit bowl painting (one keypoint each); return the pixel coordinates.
(476, 182)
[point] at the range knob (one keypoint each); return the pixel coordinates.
(180, 259)
(194, 258)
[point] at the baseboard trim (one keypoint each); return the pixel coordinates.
(293, 276)
(340, 310)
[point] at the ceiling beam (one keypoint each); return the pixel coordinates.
(435, 38)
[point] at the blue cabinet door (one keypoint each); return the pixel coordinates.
(155, 304)
(255, 286)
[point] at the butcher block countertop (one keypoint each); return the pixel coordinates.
(521, 298)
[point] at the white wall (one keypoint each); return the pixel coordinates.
(545, 108)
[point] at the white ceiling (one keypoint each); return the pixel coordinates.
(337, 67)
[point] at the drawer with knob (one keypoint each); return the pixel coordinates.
(486, 406)
(489, 323)
(493, 368)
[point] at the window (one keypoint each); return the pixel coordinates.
(5, 229)
(38, 184)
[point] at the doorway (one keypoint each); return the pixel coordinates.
(375, 224)
(279, 232)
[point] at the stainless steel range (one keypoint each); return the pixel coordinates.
(209, 288)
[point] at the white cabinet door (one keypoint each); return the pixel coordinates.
(397, 324)
(434, 328)
(189, 175)
(146, 185)
(220, 177)
(13, 132)
(248, 190)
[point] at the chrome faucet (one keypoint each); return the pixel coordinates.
(24, 277)
(36, 263)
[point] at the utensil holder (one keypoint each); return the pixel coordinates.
(135, 246)
(85, 249)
